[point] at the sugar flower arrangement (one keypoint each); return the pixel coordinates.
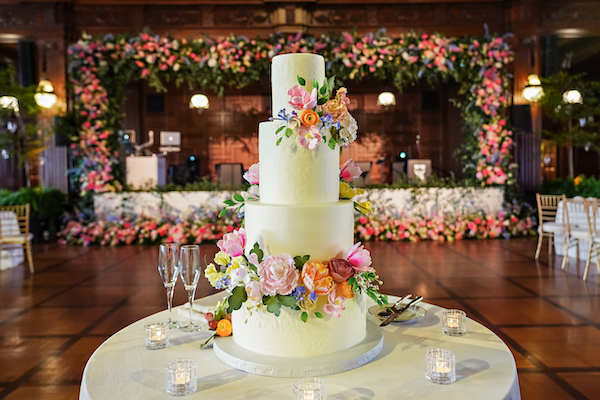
(282, 280)
(317, 116)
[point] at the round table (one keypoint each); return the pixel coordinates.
(121, 368)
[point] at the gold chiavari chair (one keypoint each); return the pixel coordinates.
(23, 237)
(547, 208)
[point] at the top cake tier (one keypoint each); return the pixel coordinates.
(285, 70)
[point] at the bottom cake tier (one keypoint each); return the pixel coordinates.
(257, 330)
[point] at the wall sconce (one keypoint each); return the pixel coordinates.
(572, 97)
(533, 91)
(200, 102)
(44, 96)
(386, 99)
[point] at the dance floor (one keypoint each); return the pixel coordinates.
(51, 322)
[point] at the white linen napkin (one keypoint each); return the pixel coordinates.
(198, 311)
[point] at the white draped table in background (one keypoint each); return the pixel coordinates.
(121, 368)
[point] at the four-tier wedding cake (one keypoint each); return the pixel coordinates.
(298, 282)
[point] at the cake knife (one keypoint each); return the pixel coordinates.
(400, 311)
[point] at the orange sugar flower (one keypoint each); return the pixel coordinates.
(309, 118)
(345, 290)
(316, 278)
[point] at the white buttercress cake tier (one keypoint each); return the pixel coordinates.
(286, 68)
(292, 174)
(287, 336)
(322, 231)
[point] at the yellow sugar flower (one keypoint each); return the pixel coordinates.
(364, 207)
(222, 258)
(212, 274)
(347, 192)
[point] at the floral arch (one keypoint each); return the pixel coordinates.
(100, 67)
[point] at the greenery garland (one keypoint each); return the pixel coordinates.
(100, 68)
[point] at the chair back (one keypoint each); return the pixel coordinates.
(22, 213)
(547, 207)
(575, 214)
(592, 207)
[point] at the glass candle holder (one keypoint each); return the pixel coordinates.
(157, 336)
(309, 389)
(440, 366)
(181, 377)
(454, 322)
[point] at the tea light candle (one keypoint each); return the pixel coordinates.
(181, 377)
(454, 322)
(309, 389)
(156, 335)
(440, 366)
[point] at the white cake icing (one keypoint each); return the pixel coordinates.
(299, 213)
(322, 231)
(285, 70)
(287, 336)
(292, 174)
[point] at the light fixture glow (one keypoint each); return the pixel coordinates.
(386, 99)
(199, 101)
(572, 97)
(533, 91)
(9, 102)
(45, 96)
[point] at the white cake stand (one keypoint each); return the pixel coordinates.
(241, 359)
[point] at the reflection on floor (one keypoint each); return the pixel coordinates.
(51, 322)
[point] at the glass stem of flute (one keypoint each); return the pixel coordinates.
(170, 301)
(191, 292)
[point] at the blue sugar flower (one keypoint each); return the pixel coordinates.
(298, 293)
(223, 283)
(313, 296)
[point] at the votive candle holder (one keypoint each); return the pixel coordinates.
(440, 366)
(309, 389)
(455, 322)
(157, 335)
(181, 377)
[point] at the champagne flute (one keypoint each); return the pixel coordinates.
(190, 274)
(168, 268)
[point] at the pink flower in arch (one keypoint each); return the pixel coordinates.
(233, 243)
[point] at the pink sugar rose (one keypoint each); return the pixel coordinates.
(340, 269)
(278, 275)
(301, 99)
(252, 175)
(233, 243)
(359, 257)
(350, 171)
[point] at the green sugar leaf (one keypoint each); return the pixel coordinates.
(223, 212)
(279, 141)
(331, 144)
(238, 198)
(315, 83)
(323, 89)
(322, 101)
(318, 315)
(288, 132)
(304, 316)
(288, 301)
(259, 253)
(301, 80)
(279, 129)
(237, 298)
(273, 305)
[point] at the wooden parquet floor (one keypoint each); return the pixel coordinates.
(51, 322)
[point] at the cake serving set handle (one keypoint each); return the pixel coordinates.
(399, 311)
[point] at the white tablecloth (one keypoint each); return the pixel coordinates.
(121, 368)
